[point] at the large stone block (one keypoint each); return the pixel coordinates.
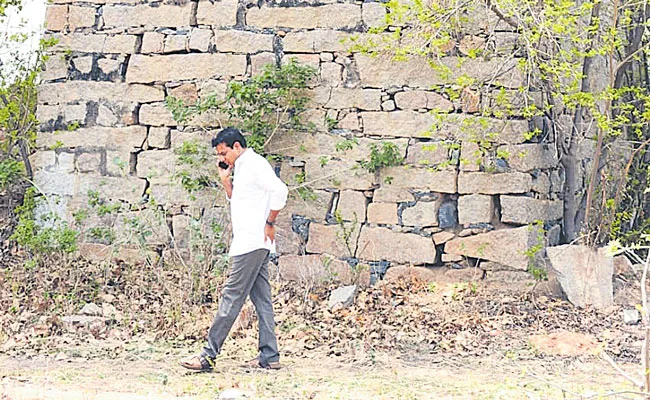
(363, 99)
(81, 17)
(217, 13)
(382, 213)
(427, 153)
(384, 244)
(315, 269)
(585, 274)
(333, 239)
(156, 114)
(122, 44)
(56, 67)
(157, 166)
(318, 41)
(390, 194)
(61, 184)
(373, 14)
(75, 91)
(84, 43)
(420, 99)
(162, 15)
(456, 126)
(314, 205)
(242, 41)
(258, 61)
(56, 17)
(475, 209)
(200, 39)
(146, 69)
(338, 174)
(420, 178)
(152, 42)
(422, 214)
(530, 156)
(335, 16)
(486, 183)
(129, 137)
(126, 188)
(504, 246)
(416, 72)
(525, 210)
(352, 206)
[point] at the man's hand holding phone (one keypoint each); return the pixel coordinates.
(224, 171)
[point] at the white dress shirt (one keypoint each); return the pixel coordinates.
(256, 190)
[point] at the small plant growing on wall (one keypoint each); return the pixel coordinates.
(260, 106)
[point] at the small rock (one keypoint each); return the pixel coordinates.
(631, 317)
(232, 394)
(110, 312)
(343, 296)
(106, 298)
(61, 356)
(91, 309)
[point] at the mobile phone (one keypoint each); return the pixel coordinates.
(223, 165)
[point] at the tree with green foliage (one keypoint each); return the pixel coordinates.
(584, 69)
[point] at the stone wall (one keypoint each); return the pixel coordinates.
(117, 60)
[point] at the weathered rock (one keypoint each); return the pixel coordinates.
(384, 244)
(81, 42)
(475, 209)
(505, 246)
(124, 44)
(421, 99)
(623, 266)
(156, 114)
(81, 17)
(217, 13)
(157, 166)
(327, 16)
(486, 183)
(163, 15)
(89, 162)
(176, 43)
(111, 138)
(56, 67)
(373, 14)
(382, 213)
(200, 39)
(330, 74)
(152, 42)
(91, 309)
(258, 61)
(389, 194)
(108, 65)
(342, 297)
(422, 214)
(333, 239)
(242, 41)
(316, 41)
(420, 178)
(427, 153)
(529, 156)
(315, 269)
(525, 210)
(455, 126)
(442, 237)
(363, 99)
(338, 173)
(352, 206)
(585, 274)
(127, 188)
(631, 316)
(416, 72)
(74, 322)
(74, 91)
(56, 17)
(146, 69)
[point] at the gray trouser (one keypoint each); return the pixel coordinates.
(249, 274)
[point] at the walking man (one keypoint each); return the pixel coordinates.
(256, 197)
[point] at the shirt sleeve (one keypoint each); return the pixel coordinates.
(270, 182)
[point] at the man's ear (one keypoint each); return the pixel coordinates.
(236, 146)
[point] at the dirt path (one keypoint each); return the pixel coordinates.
(156, 376)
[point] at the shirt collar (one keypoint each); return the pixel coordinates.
(239, 160)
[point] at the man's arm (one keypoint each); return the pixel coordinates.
(278, 192)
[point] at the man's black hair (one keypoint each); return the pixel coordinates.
(229, 137)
